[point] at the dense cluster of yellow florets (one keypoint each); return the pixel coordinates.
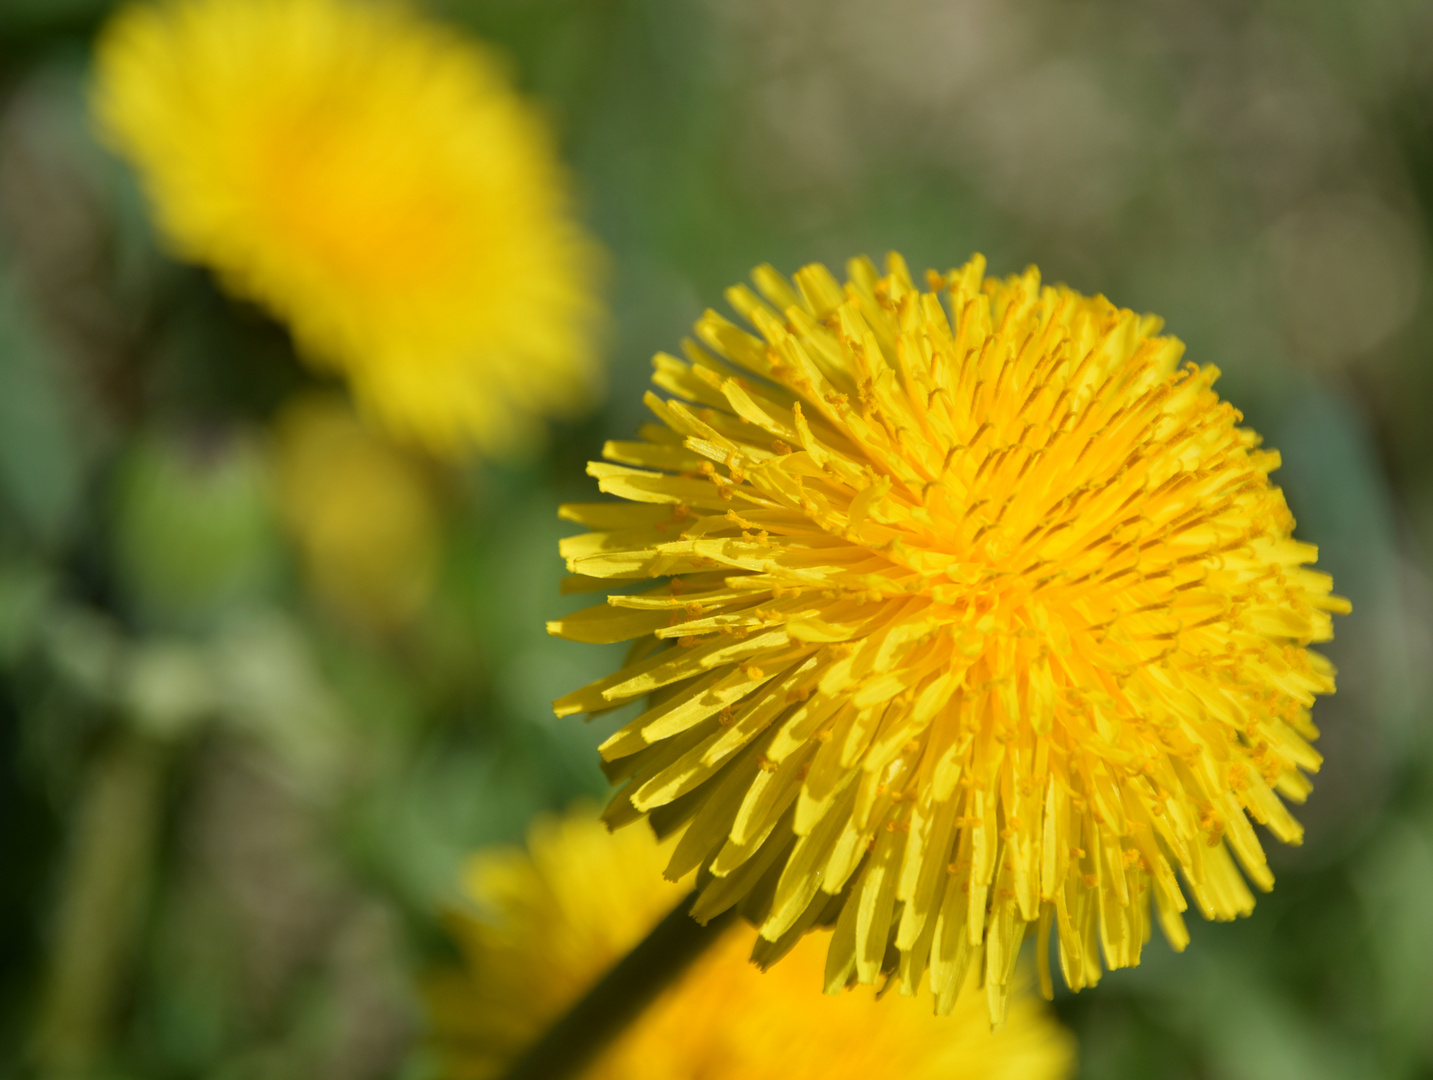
(974, 614)
(372, 179)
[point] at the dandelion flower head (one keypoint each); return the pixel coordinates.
(547, 923)
(372, 180)
(362, 514)
(976, 614)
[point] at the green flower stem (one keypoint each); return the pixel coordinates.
(102, 894)
(620, 996)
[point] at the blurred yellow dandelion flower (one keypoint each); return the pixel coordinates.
(982, 615)
(548, 924)
(372, 180)
(361, 513)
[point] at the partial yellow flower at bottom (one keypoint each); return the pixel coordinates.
(371, 179)
(552, 920)
(361, 513)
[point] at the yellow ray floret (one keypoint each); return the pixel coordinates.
(372, 180)
(547, 924)
(980, 616)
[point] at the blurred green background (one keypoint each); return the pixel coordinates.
(233, 800)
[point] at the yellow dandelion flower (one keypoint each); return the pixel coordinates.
(372, 180)
(548, 924)
(361, 513)
(981, 614)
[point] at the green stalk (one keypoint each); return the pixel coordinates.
(102, 893)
